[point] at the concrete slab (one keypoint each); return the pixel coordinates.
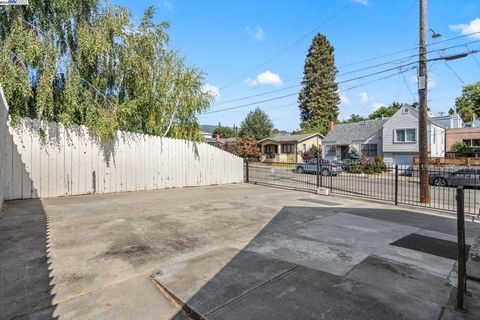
(69, 257)
(311, 294)
(389, 275)
(206, 287)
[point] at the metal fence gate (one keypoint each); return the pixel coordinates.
(395, 184)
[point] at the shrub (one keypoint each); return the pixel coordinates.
(355, 169)
(380, 163)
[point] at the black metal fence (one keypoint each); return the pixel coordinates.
(395, 184)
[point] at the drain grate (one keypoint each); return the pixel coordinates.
(434, 246)
(327, 203)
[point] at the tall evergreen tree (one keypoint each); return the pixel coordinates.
(319, 98)
(256, 124)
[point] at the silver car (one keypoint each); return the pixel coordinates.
(463, 177)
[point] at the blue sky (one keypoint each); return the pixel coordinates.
(249, 47)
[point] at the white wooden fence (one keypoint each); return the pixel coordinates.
(3, 134)
(43, 159)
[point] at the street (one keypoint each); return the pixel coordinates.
(374, 186)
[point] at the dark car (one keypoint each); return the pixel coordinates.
(463, 177)
(326, 167)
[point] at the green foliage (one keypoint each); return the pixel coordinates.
(468, 104)
(224, 132)
(380, 163)
(356, 168)
(385, 111)
(319, 98)
(459, 147)
(256, 124)
(353, 153)
(354, 118)
(311, 153)
(84, 63)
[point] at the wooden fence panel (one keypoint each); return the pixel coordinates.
(47, 160)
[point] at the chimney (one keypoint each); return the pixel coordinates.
(330, 125)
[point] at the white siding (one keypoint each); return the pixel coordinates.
(400, 120)
(71, 162)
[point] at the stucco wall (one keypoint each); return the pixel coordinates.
(455, 135)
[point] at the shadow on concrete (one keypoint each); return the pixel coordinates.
(286, 274)
(25, 281)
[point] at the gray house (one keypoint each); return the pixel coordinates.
(365, 136)
(400, 137)
(394, 138)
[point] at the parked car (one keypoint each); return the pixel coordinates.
(326, 167)
(463, 177)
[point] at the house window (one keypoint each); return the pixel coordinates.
(287, 148)
(405, 110)
(330, 151)
(270, 149)
(472, 142)
(369, 150)
(406, 135)
(304, 147)
(434, 136)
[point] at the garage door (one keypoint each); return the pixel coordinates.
(403, 159)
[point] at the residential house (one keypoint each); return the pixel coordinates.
(394, 138)
(400, 137)
(287, 148)
(219, 141)
(475, 123)
(365, 136)
(448, 121)
(469, 135)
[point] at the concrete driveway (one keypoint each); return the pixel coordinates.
(225, 252)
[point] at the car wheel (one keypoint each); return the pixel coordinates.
(300, 170)
(439, 182)
(325, 172)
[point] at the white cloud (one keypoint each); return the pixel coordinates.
(377, 105)
(472, 27)
(364, 2)
(345, 101)
(167, 5)
(265, 78)
(212, 90)
(363, 97)
(256, 33)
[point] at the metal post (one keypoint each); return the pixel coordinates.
(247, 177)
(396, 184)
(461, 281)
(422, 94)
(318, 171)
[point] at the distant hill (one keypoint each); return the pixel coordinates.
(209, 128)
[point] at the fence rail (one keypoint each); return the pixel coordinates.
(44, 159)
(395, 184)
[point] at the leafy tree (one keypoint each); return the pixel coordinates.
(319, 98)
(311, 153)
(468, 104)
(224, 132)
(354, 118)
(245, 147)
(256, 124)
(385, 111)
(81, 62)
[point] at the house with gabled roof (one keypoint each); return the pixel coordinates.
(287, 148)
(365, 136)
(394, 138)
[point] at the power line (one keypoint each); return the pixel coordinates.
(287, 48)
(399, 60)
(454, 73)
(349, 80)
(296, 93)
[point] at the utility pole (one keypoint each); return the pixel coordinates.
(422, 95)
